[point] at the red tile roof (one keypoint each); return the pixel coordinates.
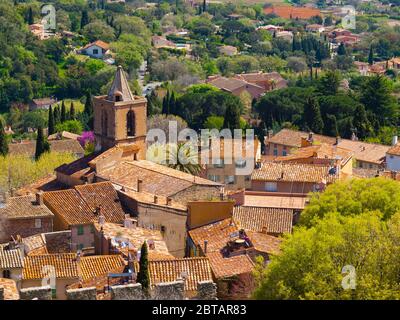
(289, 12)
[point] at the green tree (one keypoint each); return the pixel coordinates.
(51, 123)
(214, 122)
(3, 141)
(232, 118)
(329, 83)
(42, 145)
(88, 111)
(311, 261)
(84, 19)
(361, 122)
(143, 276)
(331, 127)
(342, 50)
(312, 115)
(73, 126)
(57, 115)
(371, 56)
(63, 116)
(30, 20)
(72, 115)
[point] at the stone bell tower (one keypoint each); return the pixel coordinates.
(120, 117)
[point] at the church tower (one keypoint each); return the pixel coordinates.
(120, 117)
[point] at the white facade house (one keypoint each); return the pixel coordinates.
(97, 49)
(393, 156)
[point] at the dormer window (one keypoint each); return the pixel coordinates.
(118, 96)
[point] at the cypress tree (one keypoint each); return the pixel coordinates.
(3, 141)
(361, 122)
(312, 115)
(204, 5)
(371, 56)
(51, 126)
(84, 18)
(88, 110)
(165, 103)
(57, 115)
(72, 115)
(143, 276)
(63, 116)
(232, 118)
(42, 145)
(341, 50)
(30, 18)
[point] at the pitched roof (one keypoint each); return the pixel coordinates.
(94, 266)
(264, 242)
(24, 207)
(61, 146)
(362, 151)
(231, 84)
(261, 219)
(10, 289)
(195, 269)
(293, 172)
(98, 43)
(259, 199)
(320, 151)
(156, 179)
(34, 245)
(225, 267)
(65, 266)
(120, 87)
(394, 150)
(10, 259)
(78, 206)
(44, 101)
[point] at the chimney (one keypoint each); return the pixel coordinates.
(205, 246)
(337, 140)
(155, 199)
(139, 185)
(394, 140)
(39, 198)
(311, 137)
(270, 133)
(169, 200)
(354, 137)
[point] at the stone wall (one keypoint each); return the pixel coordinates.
(82, 294)
(1, 293)
(127, 292)
(37, 293)
(206, 290)
(169, 291)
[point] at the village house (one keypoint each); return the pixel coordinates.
(367, 155)
(234, 168)
(11, 263)
(362, 67)
(24, 216)
(77, 209)
(38, 30)
(28, 148)
(162, 42)
(42, 103)
(228, 50)
(316, 28)
(290, 178)
(98, 49)
(272, 29)
(269, 81)
(393, 156)
(63, 135)
(44, 243)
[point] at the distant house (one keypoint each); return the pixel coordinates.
(290, 12)
(362, 67)
(318, 28)
(393, 156)
(63, 135)
(287, 35)
(98, 49)
(11, 263)
(228, 50)
(25, 216)
(42, 103)
(237, 86)
(271, 28)
(162, 42)
(38, 30)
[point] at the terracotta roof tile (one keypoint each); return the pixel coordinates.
(10, 259)
(264, 242)
(293, 172)
(77, 206)
(65, 266)
(94, 266)
(227, 267)
(24, 207)
(395, 150)
(259, 219)
(271, 201)
(196, 269)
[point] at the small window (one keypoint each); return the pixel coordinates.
(229, 179)
(95, 51)
(213, 177)
(54, 293)
(92, 229)
(80, 230)
(38, 223)
(6, 274)
(218, 163)
(80, 246)
(240, 163)
(284, 153)
(275, 152)
(247, 178)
